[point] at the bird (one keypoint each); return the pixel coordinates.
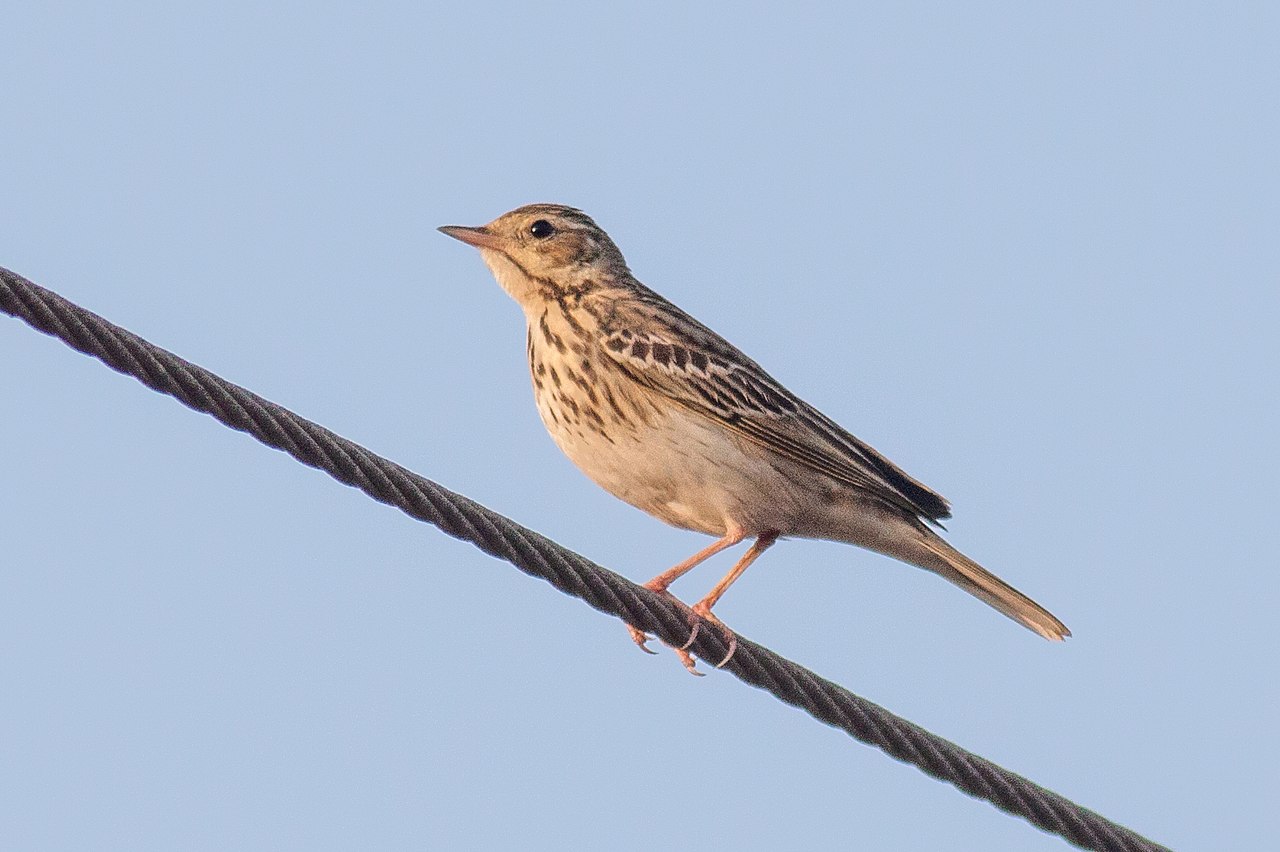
(670, 417)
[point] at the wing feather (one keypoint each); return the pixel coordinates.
(668, 351)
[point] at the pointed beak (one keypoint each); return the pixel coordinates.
(481, 238)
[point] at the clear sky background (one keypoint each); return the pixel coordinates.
(1029, 251)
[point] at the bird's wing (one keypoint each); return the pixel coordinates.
(668, 351)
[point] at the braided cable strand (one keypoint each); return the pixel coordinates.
(535, 554)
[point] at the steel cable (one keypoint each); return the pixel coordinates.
(420, 498)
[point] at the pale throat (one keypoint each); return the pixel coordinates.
(511, 278)
(529, 292)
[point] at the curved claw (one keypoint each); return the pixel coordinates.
(640, 638)
(693, 634)
(703, 613)
(689, 663)
(733, 646)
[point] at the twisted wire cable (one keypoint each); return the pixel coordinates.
(539, 556)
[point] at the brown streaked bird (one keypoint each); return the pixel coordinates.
(662, 412)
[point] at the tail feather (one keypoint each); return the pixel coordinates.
(981, 583)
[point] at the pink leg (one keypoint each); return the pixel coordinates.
(666, 578)
(703, 607)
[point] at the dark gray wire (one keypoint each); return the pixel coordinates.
(569, 572)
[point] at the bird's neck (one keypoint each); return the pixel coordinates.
(533, 292)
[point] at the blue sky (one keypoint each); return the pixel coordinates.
(1027, 251)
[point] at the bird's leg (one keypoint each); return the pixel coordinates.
(702, 608)
(660, 583)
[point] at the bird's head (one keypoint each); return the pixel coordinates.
(541, 250)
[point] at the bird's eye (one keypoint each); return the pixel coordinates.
(542, 229)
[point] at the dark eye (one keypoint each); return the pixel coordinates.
(542, 229)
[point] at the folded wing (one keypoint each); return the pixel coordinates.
(668, 351)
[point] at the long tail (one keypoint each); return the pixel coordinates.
(981, 583)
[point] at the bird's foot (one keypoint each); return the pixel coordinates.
(641, 638)
(700, 612)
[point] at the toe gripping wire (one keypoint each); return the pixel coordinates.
(534, 554)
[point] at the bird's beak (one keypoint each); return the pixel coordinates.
(481, 238)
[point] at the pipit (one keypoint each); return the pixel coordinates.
(665, 414)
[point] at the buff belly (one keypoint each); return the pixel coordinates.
(687, 472)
